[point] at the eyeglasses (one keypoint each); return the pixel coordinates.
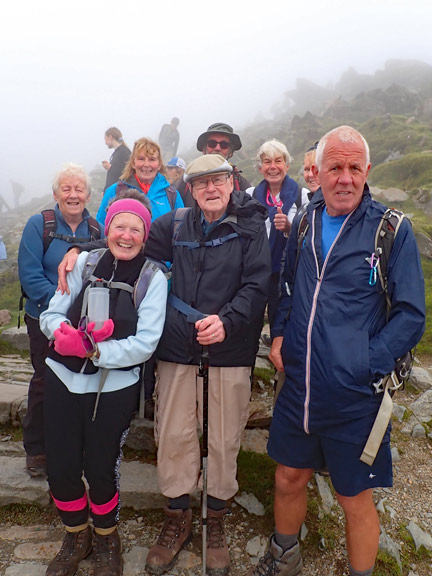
(201, 184)
(222, 145)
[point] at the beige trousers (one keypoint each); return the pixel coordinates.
(179, 414)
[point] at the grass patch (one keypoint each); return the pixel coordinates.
(27, 514)
(15, 432)
(256, 476)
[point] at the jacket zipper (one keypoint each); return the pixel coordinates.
(320, 278)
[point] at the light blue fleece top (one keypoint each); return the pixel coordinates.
(156, 194)
(134, 349)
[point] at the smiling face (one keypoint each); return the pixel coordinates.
(308, 176)
(71, 196)
(146, 165)
(125, 237)
(274, 169)
(213, 198)
(342, 175)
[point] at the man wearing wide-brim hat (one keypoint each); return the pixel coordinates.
(220, 138)
(220, 281)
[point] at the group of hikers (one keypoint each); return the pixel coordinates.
(189, 272)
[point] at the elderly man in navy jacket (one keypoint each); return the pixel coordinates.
(333, 339)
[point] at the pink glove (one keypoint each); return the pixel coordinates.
(102, 333)
(69, 341)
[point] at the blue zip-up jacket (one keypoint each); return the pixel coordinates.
(38, 271)
(277, 239)
(156, 194)
(337, 341)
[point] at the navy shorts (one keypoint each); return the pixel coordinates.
(349, 475)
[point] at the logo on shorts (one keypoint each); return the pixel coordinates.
(371, 476)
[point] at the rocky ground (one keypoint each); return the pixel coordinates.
(405, 513)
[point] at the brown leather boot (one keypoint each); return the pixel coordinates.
(76, 546)
(175, 534)
(218, 560)
(108, 559)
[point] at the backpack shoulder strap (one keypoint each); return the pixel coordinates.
(298, 200)
(49, 227)
(148, 270)
(94, 229)
(236, 177)
(171, 193)
(179, 216)
(384, 239)
(91, 262)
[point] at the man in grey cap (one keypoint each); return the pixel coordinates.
(221, 273)
(219, 290)
(221, 139)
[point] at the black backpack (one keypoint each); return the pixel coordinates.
(48, 235)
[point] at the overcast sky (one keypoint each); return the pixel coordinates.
(69, 70)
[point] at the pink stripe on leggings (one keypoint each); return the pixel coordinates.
(101, 509)
(72, 505)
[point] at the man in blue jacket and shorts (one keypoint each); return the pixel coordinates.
(334, 338)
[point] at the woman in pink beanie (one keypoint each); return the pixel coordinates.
(93, 384)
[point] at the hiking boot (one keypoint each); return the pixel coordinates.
(108, 559)
(276, 562)
(36, 465)
(76, 546)
(218, 560)
(175, 534)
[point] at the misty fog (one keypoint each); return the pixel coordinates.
(71, 70)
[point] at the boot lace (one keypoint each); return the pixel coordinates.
(105, 546)
(68, 547)
(267, 566)
(170, 532)
(215, 535)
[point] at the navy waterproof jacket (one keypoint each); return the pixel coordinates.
(230, 279)
(337, 341)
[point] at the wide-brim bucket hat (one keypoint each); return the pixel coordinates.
(219, 128)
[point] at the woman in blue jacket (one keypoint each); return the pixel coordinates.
(145, 172)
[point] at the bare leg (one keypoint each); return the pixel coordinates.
(290, 502)
(362, 529)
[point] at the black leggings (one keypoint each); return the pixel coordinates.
(76, 445)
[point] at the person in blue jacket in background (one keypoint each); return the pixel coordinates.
(38, 259)
(145, 172)
(334, 339)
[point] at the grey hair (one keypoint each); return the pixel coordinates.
(345, 134)
(272, 148)
(71, 170)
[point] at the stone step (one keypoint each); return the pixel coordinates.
(139, 485)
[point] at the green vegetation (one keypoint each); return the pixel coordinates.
(409, 172)
(256, 476)
(27, 514)
(397, 134)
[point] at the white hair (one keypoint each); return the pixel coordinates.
(345, 134)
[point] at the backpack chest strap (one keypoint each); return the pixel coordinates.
(207, 243)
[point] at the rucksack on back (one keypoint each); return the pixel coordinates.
(48, 235)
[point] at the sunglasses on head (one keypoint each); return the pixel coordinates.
(223, 145)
